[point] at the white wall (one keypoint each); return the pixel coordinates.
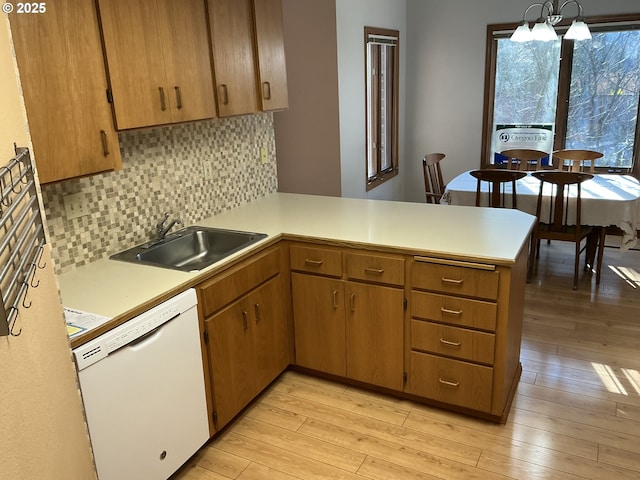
(446, 43)
(351, 18)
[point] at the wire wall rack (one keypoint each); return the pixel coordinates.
(22, 239)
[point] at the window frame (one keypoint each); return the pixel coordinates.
(503, 30)
(380, 177)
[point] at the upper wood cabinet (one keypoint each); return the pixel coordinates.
(233, 56)
(248, 55)
(158, 61)
(271, 59)
(64, 82)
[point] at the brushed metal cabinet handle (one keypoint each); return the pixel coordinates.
(163, 102)
(450, 312)
(245, 320)
(105, 143)
(224, 92)
(266, 90)
(178, 98)
(375, 271)
(449, 384)
(335, 299)
(451, 280)
(315, 263)
(256, 308)
(449, 343)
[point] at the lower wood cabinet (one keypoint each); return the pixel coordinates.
(245, 334)
(246, 347)
(319, 323)
(465, 333)
(449, 335)
(347, 328)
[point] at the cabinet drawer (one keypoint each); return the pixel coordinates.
(454, 310)
(374, 268)
(452, 341)
(224, 288)
(321, 261)
(457, 280)
(451, 381)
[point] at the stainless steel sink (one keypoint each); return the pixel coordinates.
(189, 249)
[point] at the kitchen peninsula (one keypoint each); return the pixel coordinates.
(450, 279)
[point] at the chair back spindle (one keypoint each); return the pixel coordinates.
(497, 181)
(433, 183)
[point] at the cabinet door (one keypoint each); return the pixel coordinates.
(318, 313)
(271, 58)
(135, 62)
(59, 57)
(231, 23)
(185, 46)
(269, 333)
(231, 360)
(375, 338)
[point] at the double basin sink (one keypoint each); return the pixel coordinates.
(190, 249)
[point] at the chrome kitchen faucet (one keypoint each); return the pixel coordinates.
(162, 230)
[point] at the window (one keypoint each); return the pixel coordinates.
(381, 49)
(586, 92)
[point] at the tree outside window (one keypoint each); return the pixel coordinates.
(588, 90)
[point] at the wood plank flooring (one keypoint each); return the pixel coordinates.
(576, 414)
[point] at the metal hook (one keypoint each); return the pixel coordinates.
(12, 322)
(33, 276)
(24, 177)
(13, 187)
(4, 200)
(39, 257)
(24, 291)
(24, 299)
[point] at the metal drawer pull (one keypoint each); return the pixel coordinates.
(377, 271)
(449, 384)
(451, 280)
(163, 103)
(313, 262)
(450, 312)
(105, 143)
(335, 299)
(245, 320)
(178, 98)
(256, 308)
(451, 344)
(353, 302)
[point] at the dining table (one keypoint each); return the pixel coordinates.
(607, 200)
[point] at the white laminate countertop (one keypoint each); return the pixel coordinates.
(113, 288)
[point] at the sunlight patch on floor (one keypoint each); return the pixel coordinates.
(609, 379)
(634, 378)
(629, 275)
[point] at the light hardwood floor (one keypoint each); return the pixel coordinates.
(576, 414)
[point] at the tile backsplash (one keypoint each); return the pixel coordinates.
(163, 171)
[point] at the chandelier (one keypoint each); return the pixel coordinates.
(543, 27)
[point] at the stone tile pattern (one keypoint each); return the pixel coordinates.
(163, 171)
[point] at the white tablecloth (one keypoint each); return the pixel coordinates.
(607, 200)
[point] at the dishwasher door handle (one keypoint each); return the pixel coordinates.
(146, 336)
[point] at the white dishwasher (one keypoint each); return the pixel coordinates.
(142, 385)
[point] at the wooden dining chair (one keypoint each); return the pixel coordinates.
(577, 160)
(560, 225)
(524, 159)
(497, 180)
(433, 184)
